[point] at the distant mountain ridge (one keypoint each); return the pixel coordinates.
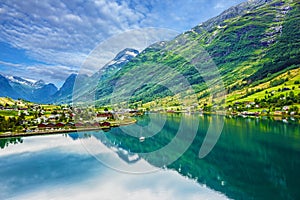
(17, 87)
(6, 89)
(65, 93)
(40, 92)
(16, 79)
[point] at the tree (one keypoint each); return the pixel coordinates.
(62, 117)
(22, 116)
(294, 109)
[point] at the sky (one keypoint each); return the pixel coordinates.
(51, 39)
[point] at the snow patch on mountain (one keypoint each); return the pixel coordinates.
(16, 79)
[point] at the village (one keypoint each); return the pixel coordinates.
(20, 116)
(26, 117)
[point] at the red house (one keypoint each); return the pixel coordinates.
(78, 124)
(42, 125)
(105, 124)
(60, 124)
(108, 115)
(50, 125)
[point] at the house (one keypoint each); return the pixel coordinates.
(42, 125)
(60, 124)
(105, 124)
(264, 111)
(70, 124)
(24, 111)
(277, 113)
(107, 115)
(78, 124)
(133, 111)
(54, 117)
(40, 119)
(104, 116)
(285, 108)
(50, 125)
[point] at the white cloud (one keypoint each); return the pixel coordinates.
(50, 72)
(10, 64)
(70, 27)
(219, 5)
(2, 10)
(73, 18)
(44, 169)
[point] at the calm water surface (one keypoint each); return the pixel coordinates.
(253, 159)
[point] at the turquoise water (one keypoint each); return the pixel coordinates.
(252, 159)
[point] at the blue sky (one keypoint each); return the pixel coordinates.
(50, 39)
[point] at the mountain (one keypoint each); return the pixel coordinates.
(117, 63)
(16, 79)
(17, 87)
(5, 88)
(254, 47)
(39, 84)
(250, 44)
(40, 92)
(43, 93)
(64, 94)
(84, 84)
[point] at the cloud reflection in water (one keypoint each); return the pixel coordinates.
(57, 167)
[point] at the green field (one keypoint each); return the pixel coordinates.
(8, 113)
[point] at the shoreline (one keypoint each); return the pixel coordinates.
(62, 131)
(118, 123)
(227, 114)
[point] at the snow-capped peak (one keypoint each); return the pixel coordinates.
(38, 84)
(25, 81)
(126, 54)
(16, 79)
(132, 53)
(121, 58)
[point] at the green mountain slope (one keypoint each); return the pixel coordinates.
(250, 44)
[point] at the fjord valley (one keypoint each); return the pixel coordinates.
(212, 112)
(254, 45)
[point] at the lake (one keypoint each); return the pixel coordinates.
(251, 158)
